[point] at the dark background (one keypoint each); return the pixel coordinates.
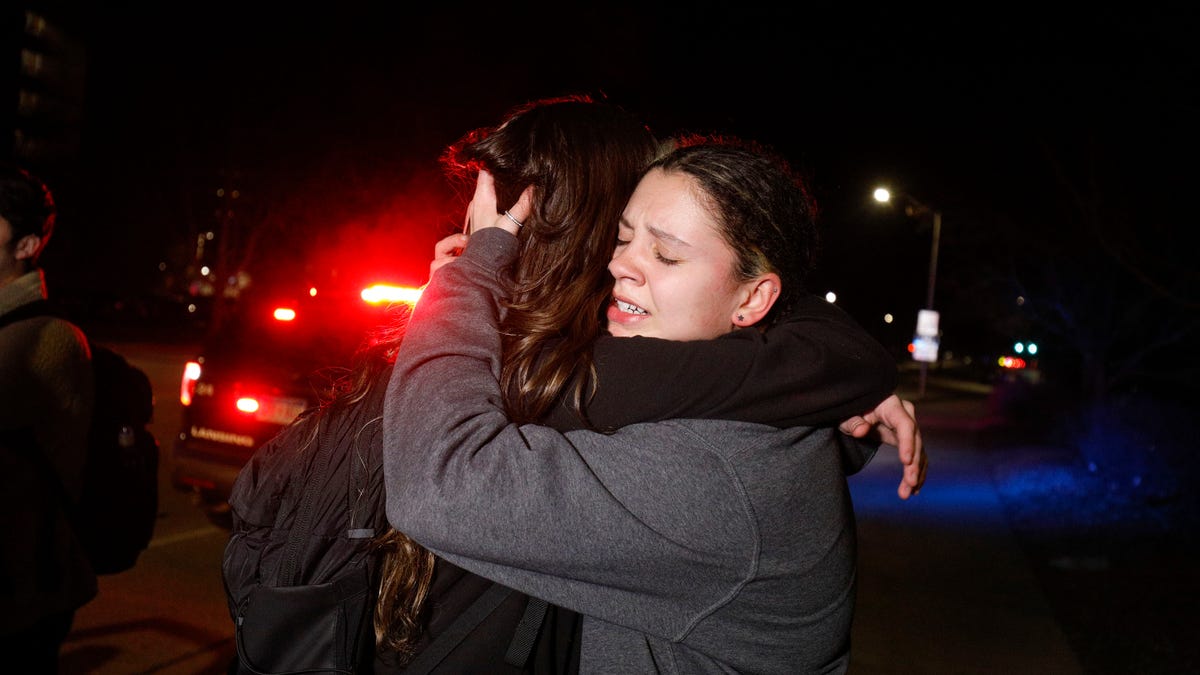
(1059, 145)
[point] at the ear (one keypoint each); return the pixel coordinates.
(760, 296)
(27, 246)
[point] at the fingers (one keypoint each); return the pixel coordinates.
(922, 462)
(450, 247)
(885, 433)
(856, 427)
(919, 460)
(906, 430)
(524, 206)
(483, 211)
(483, 205)
(912, 452)
(446, 251)
(485, 189)
(895, 422)
(914, 478)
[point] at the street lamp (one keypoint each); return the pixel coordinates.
(915, 209)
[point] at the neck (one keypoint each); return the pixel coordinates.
(11, 274)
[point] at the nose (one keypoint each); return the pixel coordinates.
(623, 265)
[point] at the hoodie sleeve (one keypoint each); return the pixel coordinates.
(667, 530)
(818, 367)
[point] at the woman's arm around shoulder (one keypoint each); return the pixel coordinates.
(817, 367)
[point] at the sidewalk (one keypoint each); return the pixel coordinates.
(944, 586)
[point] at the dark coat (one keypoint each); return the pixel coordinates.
(45, 408)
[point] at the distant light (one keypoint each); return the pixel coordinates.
(888, 318)
(382, 293)
(209, 235)
(882, 195)
(284, 314)
(312, 292)
(162, 267)
(247, 404)
(831, 297)
(35, 25)
(220, 192)
(187, 385)
(1018, 348)
(1011, 362)
(204, 271)
(191, 309)
(1032, 348)
(235, 194)
(28, 102)
(31, 62)
(911, 348)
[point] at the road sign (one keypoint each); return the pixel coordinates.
(925, 349)
(927, 323)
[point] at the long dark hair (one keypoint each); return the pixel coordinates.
(584, 159)
(406, 567)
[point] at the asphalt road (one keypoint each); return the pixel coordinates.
(943, 584)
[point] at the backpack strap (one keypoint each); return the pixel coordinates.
(448, 639)
(526, 633)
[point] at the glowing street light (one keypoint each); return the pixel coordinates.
(915, 209)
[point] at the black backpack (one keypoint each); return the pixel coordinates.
(115, 516)
(300, 573)
(119, 507)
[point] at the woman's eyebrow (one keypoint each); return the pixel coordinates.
(662, 234)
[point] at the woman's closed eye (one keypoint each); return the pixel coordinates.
(658, 255)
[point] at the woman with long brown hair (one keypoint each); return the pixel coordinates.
(585, 158)
(813, 366)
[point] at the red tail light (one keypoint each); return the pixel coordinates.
(187, 385)
(1012, 362)
(247, 404)
(284, 314)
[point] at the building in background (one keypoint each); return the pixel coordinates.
(43, 76)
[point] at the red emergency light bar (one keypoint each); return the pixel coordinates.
(385, 293)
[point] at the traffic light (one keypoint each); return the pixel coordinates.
(1030, 348)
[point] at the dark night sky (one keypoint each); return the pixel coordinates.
(336, 114)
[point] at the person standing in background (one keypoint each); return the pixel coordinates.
(46, 400)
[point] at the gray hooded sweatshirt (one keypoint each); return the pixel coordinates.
(691, 546)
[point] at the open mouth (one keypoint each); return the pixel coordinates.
(628, 308)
